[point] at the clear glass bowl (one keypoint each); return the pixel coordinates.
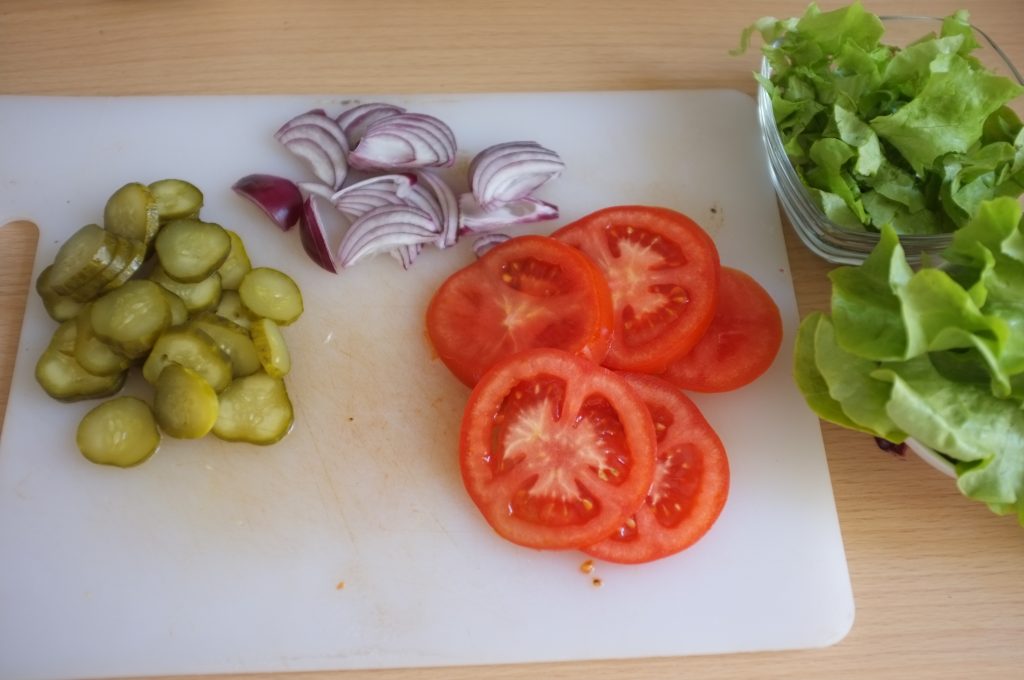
(822, 236)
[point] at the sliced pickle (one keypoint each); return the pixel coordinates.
(179, 312)
(198, 297)
(236, 266)
(185, 404)
(271, 294)
(97, 284)
(233, 340)
(131, 317)
(230, 307)
(176, 199)
(132, 212)
(271, 348)
(82, 257)
(190, 250)
(120, 432)
(134, 259)
(93, 354)
(192, 348)
(64, 337)
(254, 409)
(59, 307)
(64, 379)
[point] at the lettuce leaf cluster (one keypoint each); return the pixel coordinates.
(913, 137)
(936, 354)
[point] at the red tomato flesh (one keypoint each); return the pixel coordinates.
(531, 291)
(555, 451)
(662, 269)
(741, 343)
(691, 481)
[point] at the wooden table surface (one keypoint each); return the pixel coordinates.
(937, 579)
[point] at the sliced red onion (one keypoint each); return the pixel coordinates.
(359, 198)
(432, 125)
(492, 151)
(314, 155)
(405, 141)
(317, 188)
(320, 119)
(406, 255)
(482, 244)
(277, 197)
(355, 120)
(511, 171)
(313, 234)
(473, 217)
(316, 129)
(384, 229)
(424, 199)
(449, 208)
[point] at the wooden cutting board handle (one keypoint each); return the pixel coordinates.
(17, 253)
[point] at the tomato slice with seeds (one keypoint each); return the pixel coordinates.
(691, 481)
(662, 269)
(555, 451)
(741, 343)
(531, 291)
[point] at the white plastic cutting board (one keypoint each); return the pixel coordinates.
(351, 544)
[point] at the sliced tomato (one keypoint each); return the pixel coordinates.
(531, 291)
(691, 481)
(662, 269)
(555, 451)
(742, 341)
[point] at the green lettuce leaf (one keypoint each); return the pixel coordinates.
(809, 379)
(866, 306)
(935, 354)
(984, 432)
(930, 125)
(948, 113)
(861, 397)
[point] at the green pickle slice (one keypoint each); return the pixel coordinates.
(176, 198)
(271, 348)
(185, 404)
(59, 307)
(192, 348)
(198, 297)
(120, 432)
(84, 256)
(190, 250)
(233, 340)
(254, 409)
(93, 354)
(132, 212)
(63, 378)
(237, 264)
(271, 294)
(131, 317)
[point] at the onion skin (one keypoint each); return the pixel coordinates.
(279, 198)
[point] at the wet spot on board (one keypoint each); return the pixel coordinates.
(714, 219)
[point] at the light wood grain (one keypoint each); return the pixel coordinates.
(936, 577)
